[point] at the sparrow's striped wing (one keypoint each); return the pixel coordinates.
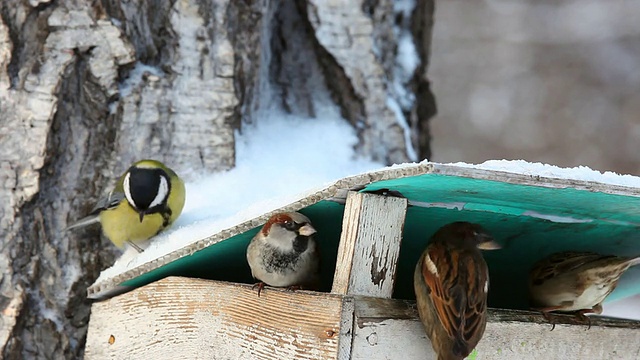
(458, 281)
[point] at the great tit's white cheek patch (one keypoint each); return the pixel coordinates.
(162, 193)
(127, 190)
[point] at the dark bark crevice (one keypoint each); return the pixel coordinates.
(426, 108)
(244, 28)
(145, 26)
(78, 144)
(340, 87)
(28, 37)
(295, 73)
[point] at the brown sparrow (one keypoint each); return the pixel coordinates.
(284, 253)
(575, 282)
(451, 282)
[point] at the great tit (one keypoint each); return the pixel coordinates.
(147, 198)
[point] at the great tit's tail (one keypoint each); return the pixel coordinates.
(91, 219)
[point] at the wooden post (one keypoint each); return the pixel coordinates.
(369, 245)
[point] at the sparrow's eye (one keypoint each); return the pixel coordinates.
(289, 225)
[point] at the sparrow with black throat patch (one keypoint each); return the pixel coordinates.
(284, 253)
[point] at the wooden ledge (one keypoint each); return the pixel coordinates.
(202, 319)
(386, 328)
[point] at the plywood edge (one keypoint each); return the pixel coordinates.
(202, 319)
(532, 179)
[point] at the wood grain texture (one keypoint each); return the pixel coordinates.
(369, 245)
(201, 319)
(182, 318)
(345, 344)
(384, 328)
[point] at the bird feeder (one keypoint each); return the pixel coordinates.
(198, 302)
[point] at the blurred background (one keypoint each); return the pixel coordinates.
(556, 82)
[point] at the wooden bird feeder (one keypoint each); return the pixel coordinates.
(198, 302)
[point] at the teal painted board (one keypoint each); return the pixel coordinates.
(518, 217)
(529, 221)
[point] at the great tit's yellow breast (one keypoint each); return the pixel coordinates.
(122, 224)
(176, 198)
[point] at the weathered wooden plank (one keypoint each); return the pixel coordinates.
(182, 318)
(345, 343)
(388, 329)
(369, 245)
(385, 328)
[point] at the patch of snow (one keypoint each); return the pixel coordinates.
(46, 312)
(135, 77)
(393, 105)
(116, 22)
(404, 6)
(71, 273)
(408, 58)
(582, 173)
(401, 98)
(280, 159)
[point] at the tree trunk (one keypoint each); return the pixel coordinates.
(87, 88)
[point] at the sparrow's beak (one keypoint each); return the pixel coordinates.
(306, 230)
(489, 245)
(141, 213)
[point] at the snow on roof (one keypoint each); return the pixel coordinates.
(581, 173)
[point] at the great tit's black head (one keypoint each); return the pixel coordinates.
(146, 189)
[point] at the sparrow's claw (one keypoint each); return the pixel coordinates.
(580, 315)
(546, 313)
(259, 285)
(294, 288)
(547, 316)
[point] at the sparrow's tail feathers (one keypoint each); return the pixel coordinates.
(460, 348)
(449, 356)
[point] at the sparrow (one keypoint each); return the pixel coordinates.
(451, 282)
(284, 253)
(575, 282)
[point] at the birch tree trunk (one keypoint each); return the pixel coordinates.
(88, 87)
